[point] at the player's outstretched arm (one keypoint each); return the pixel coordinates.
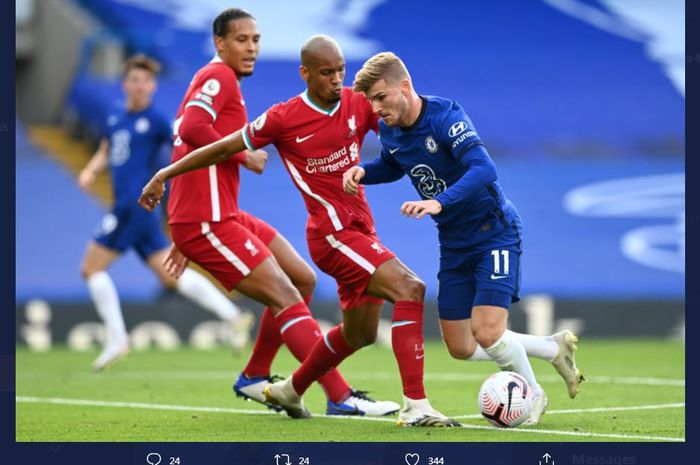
(202, 157)
(97, 164)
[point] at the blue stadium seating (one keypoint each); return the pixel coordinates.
(560, 103)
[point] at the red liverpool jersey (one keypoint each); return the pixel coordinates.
(317, 146)
(209, 194)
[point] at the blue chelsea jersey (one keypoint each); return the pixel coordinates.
(135, 140)
(436, 153)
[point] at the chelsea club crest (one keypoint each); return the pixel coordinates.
(430, 144)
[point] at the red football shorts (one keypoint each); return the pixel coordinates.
(264, 231)
(226, 249)
(351, 257)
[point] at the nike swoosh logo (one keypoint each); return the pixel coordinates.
(302, 139)
(394, 150)
(512, 385)
(418, 357)
(493, 276)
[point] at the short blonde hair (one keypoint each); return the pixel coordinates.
(384, 65)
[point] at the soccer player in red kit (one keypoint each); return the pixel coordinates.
(319, 135)
(206, 221)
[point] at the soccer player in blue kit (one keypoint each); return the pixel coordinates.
(433, 141)
(130, 145)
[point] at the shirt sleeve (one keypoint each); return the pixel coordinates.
(105, 126)
(196, 127)
(163, 136)
(266, 129)
(382, 169)
(217, 86)
(457, 132)
(480, 173)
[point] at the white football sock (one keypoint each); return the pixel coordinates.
(509, 354)
(199, 289)
(480, 355)
(544, 347)
(104, 296)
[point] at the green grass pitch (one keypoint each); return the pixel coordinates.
(635, 392)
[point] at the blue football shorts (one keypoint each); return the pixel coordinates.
(487, 273)
(126, 227)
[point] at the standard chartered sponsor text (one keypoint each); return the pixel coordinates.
(328, 164)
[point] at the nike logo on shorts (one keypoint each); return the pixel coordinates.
(493, 276)
(394, 150)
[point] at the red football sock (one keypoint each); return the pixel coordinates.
(326, 354)
(298, 329)
(407, 342)
(267, 343)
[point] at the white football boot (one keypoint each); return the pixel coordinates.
(420, 413)
(565, 361)
(539, 405)
(282, 393)
(359, 403)
(110, 355)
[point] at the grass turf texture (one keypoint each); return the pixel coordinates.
(185, 395)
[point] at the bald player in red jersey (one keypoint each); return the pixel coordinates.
(319, 135)
(204, 203)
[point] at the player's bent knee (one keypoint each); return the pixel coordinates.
(284, 292)
(307, 283)
(487, 335)
(358, 341)
(460, 350)
(86, 270)
(412, 288)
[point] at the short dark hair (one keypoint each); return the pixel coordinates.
(220, 24)
(141, 61)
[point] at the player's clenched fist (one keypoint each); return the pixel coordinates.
(255, 161)
(152, 192)
(352, 178)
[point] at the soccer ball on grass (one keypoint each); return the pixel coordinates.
(505, 399)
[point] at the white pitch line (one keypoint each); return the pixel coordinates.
(230, 375)
(597, 409)
(99, 403)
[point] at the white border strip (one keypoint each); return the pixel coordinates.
(214, 194)
(203, 106)
(223, 250)
(305, 187)
(354, 256)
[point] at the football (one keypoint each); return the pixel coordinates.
(505, 399)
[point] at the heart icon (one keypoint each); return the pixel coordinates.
(412, 459)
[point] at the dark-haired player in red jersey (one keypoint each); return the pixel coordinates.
(319, 135)
(208, 227)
